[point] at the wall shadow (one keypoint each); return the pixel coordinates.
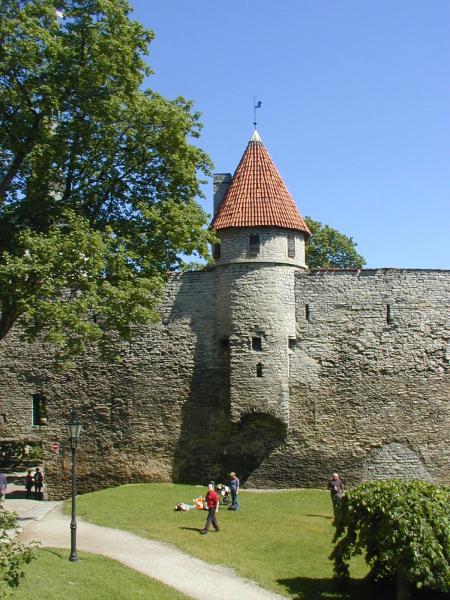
(251, 442)
(204, 414)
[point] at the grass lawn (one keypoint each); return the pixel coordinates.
(282, 540)
(53, 577)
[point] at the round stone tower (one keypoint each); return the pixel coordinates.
(262, 243)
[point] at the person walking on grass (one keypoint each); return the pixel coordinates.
(212, 503)
(234, 487)
(336, 487)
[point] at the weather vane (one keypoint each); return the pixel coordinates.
(255, 106)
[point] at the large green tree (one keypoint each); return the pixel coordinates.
(98, 178)
(327, 248)
(402, 528)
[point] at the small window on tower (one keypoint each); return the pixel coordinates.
(307, 312)
(291, 246)
(259, 370)
(216, 251)
(257, 344)
(254, 244)
(389, 317)
(292, 343)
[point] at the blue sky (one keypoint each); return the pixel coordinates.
(356, 107)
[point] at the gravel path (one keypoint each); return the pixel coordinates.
(192, 576)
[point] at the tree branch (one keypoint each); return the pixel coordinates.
(21, 155)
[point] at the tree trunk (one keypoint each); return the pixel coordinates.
(7, 319)
(402, 587)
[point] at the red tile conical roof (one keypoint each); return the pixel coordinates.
(257, 196)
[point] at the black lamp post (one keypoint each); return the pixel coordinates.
(74, 429)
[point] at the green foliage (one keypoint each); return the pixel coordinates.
(13, 554)
(98, 182)
(17, 452)
(402, 527)
(327, 248)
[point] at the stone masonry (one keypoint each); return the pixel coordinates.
(366, 397)
(256, 366)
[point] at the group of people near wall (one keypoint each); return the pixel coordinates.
(35, 481)
(212, 502)
(335, 485)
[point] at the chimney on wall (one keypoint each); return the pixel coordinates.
(221, 183)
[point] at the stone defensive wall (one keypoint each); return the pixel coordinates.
(369, 384)
(368, 392)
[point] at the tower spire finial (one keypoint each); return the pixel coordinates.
(255, 106)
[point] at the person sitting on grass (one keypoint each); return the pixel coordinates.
(212, 503)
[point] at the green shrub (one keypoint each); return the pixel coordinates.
(403, 528)
(13, 554)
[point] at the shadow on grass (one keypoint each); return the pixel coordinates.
(197, 529)
(303, 588)
(322, 589)
(58, 553)
(321, 516)
(20, 495)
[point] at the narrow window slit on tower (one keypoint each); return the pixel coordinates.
(307, 312)
(259, 370)
(254, 244)
(217, 250)
(292, 343)
(291, 246)
(257, 344)
(389, 317)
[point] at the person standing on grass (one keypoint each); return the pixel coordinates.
(336, 487)
(234, 487)
(212, 503)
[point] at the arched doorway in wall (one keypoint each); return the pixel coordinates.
(252, 441)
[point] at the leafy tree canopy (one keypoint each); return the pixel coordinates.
(402, 527)
(327, 248)
(98, 181)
